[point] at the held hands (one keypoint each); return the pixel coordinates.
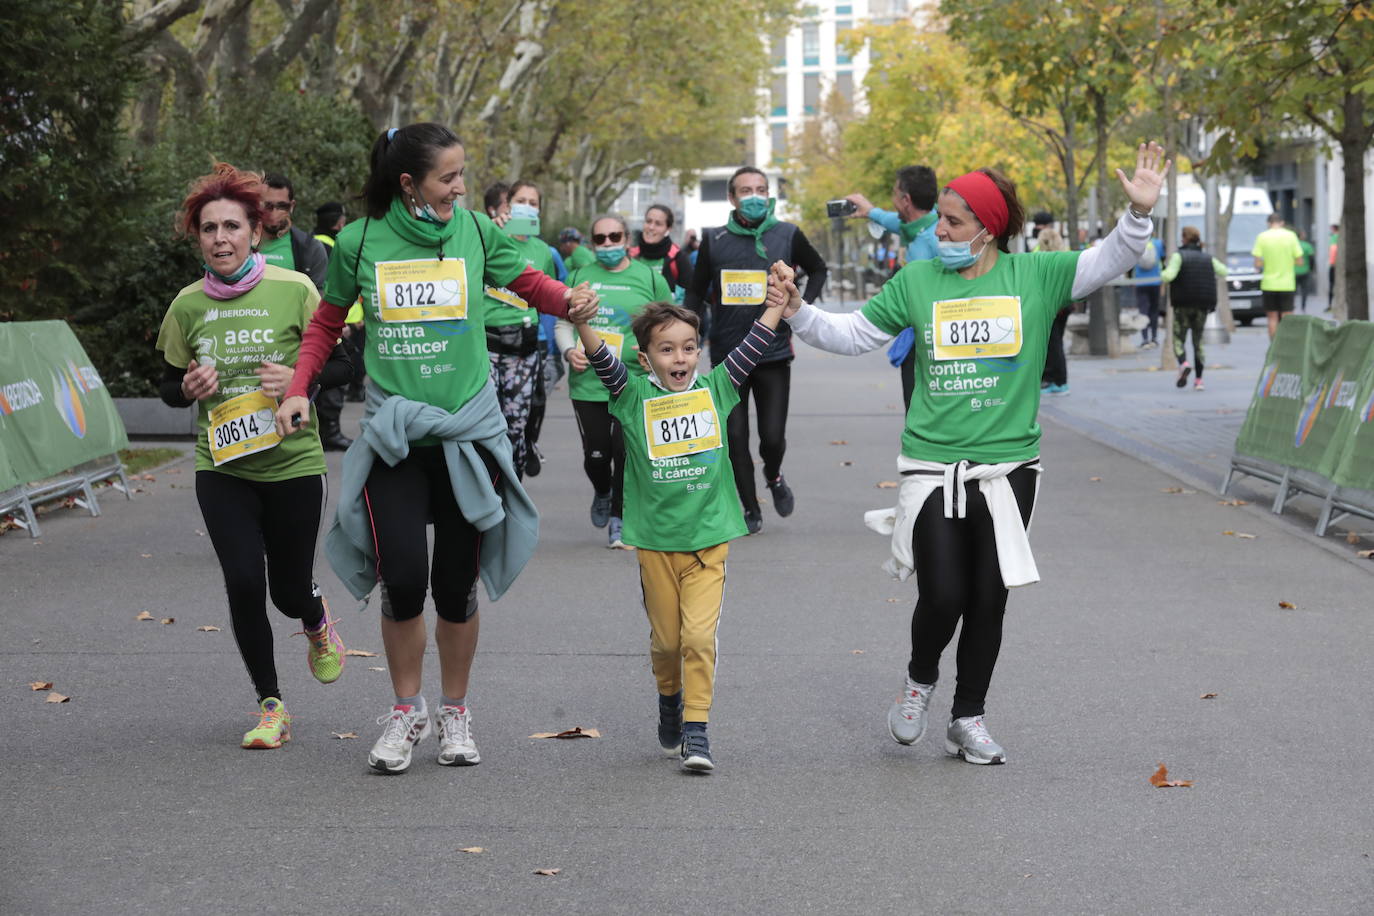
(275, 378)
(1144, 186)
(287, 414)
(782, 290)
(577, 359)
(583, 303)
(200, 381)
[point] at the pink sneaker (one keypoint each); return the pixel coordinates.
(1198, 386)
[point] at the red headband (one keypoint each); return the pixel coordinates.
(983, 198)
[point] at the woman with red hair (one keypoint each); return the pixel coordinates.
(230, 340)
(970, 451)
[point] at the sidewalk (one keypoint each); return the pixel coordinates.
(134, 796)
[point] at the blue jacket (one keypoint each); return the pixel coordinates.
(506, 516)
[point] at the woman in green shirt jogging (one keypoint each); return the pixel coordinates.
(434, 444)
(625, 287)
(970, 449)
(512, 326)
(229, 340)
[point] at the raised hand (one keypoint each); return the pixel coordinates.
(782, 270)
(1151, 168)
(583, 303)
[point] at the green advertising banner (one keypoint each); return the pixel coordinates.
(54, 410)
(1313, 407)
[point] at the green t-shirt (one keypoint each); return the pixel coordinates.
(424, 340)
(277, 252)
(504, 307)
(688, 501)
(237, 335)
(581, 257)
(1308, 252)
(978, 385)
(676, 294)
(623, 296)
(1279, 249)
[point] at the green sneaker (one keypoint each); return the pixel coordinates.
(325, 655)
(274, 726)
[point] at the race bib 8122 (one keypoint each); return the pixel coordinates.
(427, 289)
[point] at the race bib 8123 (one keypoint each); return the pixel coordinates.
(978, 328)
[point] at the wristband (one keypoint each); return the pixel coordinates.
(1138, 213)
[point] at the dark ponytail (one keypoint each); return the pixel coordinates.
(411, 149)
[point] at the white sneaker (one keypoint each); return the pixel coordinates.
(456, 747)
(906, 718)
(404, 729)
(968, 738)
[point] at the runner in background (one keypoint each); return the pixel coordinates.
(574, 253)
(728, 288)
(625, 286)
(657, 249)
(435, 446)
(230, 340)
(329, 219)
(512, 326)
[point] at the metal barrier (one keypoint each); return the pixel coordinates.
(20, 501)
(1338, 503)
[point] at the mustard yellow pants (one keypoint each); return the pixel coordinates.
(683, 593)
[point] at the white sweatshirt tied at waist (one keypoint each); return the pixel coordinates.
(921, 478)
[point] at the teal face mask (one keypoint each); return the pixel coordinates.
(238, 275)
(754, 208)
(610, 257)
(958, 255)
(427, 213)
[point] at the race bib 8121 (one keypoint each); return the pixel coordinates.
(682, 423)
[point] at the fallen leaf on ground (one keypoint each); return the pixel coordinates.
(1352, 538)
(1094, 479)
(893, 600)
(375, 668)
(40, 685)
(166, 620)
(55, 697)
(845, 464)
(1365, 554)
(1288, 605)
(857, 652)
(547, 872)
(208, 629)
(578, 732)
(1208, 696)
(146, 556)
(360, 653)
(887, 485)
(144, 615)
(1175, 490)
(1238, 534)
(839, 441)
(343, 735)
(1161, 780)
(472, 849)
(1232, 502)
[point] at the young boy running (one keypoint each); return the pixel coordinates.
(681, 506)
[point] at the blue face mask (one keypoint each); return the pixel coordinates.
(958, 255)
(523, 211)
(610, 257)
(754, 208)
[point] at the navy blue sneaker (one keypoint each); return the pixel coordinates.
(670, 723)
(696, 749)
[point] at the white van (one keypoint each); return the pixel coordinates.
(1249, 218)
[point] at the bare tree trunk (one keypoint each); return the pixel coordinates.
(322, 68)
(529, 49)
(1354, 144)
(1219, 246)
(1070, 175)
(1167, 360)
(235, 51)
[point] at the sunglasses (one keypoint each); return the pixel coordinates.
(282, 205)
(614, 238)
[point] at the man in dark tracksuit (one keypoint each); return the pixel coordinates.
(728, 288)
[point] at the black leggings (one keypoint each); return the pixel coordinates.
(401, 502)
(247, 520)
(1056, 366)
(603, 450)
(958, 576)
(770, 383)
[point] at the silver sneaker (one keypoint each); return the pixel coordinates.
(968, 738)
(405, 728)
(456, 747)
(906, 720)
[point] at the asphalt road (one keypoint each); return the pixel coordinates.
(134, 796)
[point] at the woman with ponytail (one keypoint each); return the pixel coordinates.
(434, 447)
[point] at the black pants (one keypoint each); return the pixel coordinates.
(401, 501)
(1056, 365)
(535, 424)
(1147, 302)
(958, 576)
(603, 450)
(770, 384)
(247, 521)
(908, 372)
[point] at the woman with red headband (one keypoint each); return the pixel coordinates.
(970, 450)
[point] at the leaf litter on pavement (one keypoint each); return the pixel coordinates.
(576, 732)
(55, 697)
(40, 685)
(144, 615)
(360, 653)
(547, 872)
(1161, 780)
